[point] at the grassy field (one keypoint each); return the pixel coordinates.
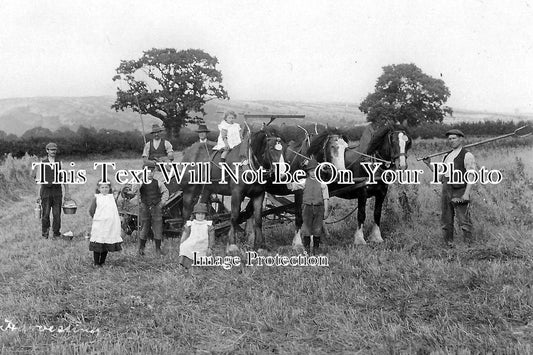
(407, 295)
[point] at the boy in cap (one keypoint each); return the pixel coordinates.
(455, 198)
(157, 149)
(50, 194)
(198, 237)
(152, 197)
(314, 209)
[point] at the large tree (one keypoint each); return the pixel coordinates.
(404, 94)
(170, 85)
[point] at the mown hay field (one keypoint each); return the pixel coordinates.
(407, 295)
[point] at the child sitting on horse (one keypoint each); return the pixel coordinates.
(230, 136)
(198, 238)
(105, 230)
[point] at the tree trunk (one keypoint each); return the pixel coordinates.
(172, 128)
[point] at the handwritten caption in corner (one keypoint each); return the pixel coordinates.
(12, 327)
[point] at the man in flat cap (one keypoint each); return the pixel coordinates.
(157, 149)
(455, 199)
(50, 193)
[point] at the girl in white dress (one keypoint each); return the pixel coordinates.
(230, 134)
(105, 230)
(198, 238)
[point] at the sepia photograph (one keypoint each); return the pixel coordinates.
(253, 177)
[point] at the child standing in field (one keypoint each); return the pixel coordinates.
(198, 237)
(315, 207)
(230, 134)
(105, 230)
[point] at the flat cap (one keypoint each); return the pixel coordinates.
(51, 145)
(456, 132)
(311, 165)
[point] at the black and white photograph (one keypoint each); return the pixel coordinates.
(266, 177)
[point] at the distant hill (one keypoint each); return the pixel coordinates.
(17, 115)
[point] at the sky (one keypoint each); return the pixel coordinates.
(278, 49)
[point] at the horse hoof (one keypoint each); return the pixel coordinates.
(376, 239)
(375, 236)
(359, 240)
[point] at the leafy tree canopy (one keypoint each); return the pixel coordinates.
(404, 94)
(170, 85)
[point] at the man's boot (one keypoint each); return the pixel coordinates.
(158, 249)
(306, 241)
(142, 245)
(316, 245)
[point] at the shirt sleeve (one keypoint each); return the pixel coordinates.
(164, 191)
(168, 147)
(470, 161)
(92, 209)
(223, 125)
(294, 186)
(325, 191)
(146, 149)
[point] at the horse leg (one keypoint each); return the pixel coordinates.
(236, 200)
(188, 195)
(375, 236)
(361, 216)
(259, 241)
(298, 221)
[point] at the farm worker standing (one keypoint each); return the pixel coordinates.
(105, 229)
(50, 193)
(455, 199)
(157, 149)
(198, 237)
(314, 209)
(230, 136)
(153, 197)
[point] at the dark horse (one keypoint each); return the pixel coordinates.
(266, 148)
(389, 143)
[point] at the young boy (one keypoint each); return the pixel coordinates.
(198, 237)
(153, 197)
(314, 209)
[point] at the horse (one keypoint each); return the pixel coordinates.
(389, 143)
(266, 148)
(328, 146)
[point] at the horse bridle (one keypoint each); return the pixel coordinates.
(393, 158)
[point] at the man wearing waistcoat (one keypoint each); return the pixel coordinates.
(152, 197)
(50, 194)
(455, 199)
(157, 149)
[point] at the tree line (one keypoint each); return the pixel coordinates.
(88, 141)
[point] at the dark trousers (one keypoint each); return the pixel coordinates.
(151, 218)
(450, 211)
(313, 218)
(51, 202)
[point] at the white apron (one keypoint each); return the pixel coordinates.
(198, 240)
(106, 221)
